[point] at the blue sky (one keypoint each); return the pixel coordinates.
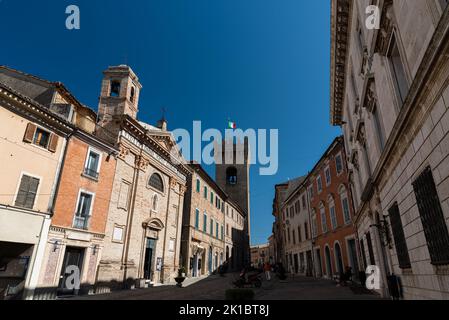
(262, 63)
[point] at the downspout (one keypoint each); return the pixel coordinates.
(52, 203)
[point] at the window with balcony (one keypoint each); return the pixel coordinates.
(92, 166)
(83, 211)
(398, 71)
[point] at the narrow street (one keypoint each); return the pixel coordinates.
(214, 287)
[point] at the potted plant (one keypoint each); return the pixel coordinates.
(181, 277)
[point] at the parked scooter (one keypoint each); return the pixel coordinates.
(246, 279)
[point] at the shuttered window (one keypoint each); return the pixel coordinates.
(41, 137)
(432, 218)
(27, 192)
(370, 249)
(399, 238)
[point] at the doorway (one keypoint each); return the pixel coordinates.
(73, 257)
(149, 259)
(295, 261)
(353, 258)
(339, 259)
(319, 265)
(327, 252)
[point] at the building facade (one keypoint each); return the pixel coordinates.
(298, 239)
(260, 255)
(390, 95)
(143, 231)
(331, 214)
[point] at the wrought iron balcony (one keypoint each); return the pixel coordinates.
(81, 222)
(91, 173)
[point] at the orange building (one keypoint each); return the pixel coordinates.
(331, 214)
(81, 211)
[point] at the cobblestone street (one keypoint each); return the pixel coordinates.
(214, 287)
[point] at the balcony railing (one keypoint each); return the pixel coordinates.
(91, 173)
(81, 222)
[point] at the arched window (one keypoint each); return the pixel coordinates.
(133, 93)
(231, 175)
(115, 88)
(332, 213)
(156, 182)
(345, 204)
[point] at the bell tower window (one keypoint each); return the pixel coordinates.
(115, 88)
(231, 176)
(133, 93)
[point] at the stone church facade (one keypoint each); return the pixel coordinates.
(390, 95)
(143, 231)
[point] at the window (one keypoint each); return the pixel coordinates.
(26, 195)
(399, 237)
(297, 207)
(211, 227)
(333, 217)
(92, 164)
(83, 210)
(115, 88)
(306, 229)
(205, 192)
(299, 234)
(323, 219)
(303, 202)
(216, 229)
(41, 138)
(314, 226)
(370, 249)
(198, 185)
(288, 234)
(205, 222)
(399, 77)
(377, 117)
(231, 175)
(311, 192)
(432, 218)
(319, 184)
(156, 182)
(222, 232)
(294, 236)
(133, 93)
(338, 163)
(197, 219)
(346, 213)
(227, 230)
(327, 172)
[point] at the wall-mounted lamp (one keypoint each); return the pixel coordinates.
(94, 249)
(56, 245)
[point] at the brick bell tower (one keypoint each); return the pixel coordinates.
(232, 175)
(120, 90)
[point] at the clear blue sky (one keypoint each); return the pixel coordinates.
(262, 63)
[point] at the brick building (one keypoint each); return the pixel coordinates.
(331, 214)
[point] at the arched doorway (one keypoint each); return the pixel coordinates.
(210, 259)
(227, 253)
(327, 253)
(338, 259)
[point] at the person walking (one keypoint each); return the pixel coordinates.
(267, 269)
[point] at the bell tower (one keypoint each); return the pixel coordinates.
(232, 173)
(120, 90)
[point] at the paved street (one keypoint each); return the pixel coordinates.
(214, 287)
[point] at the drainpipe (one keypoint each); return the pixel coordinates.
(52, 203)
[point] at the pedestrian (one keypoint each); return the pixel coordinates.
(267, 269)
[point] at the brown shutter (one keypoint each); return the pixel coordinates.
(53, 143)
(29, 133)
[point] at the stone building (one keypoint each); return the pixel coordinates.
(212, 227)
(298, 239)
(31, 128)
(259, 255)
(331, 214)
(390, 95)
(143, 231)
